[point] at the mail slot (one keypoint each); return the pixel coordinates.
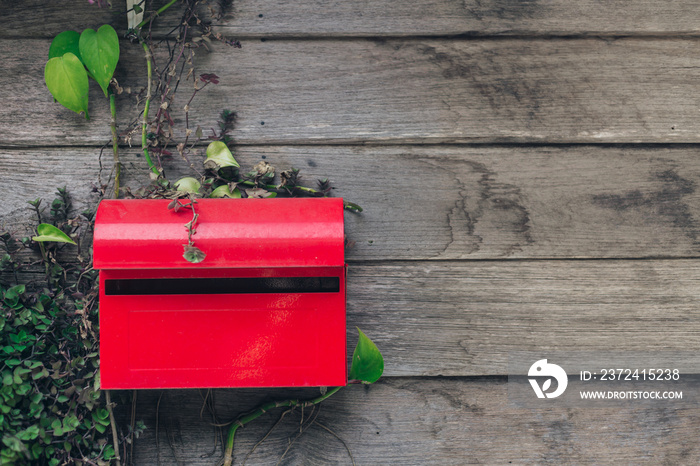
(265, 308)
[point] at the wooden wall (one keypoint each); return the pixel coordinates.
(530, 177)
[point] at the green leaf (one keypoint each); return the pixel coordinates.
(224, 191)
(101, 414)
(188, 185)
(20, 371)
(17, 380)
(99, 50)
(70, 423)
(49, 232)
(65, 42)
(193, 254)
(109, 452)
(30, 433)
(13, 442)
(37, 450)
(67, 81)
(367, 361)
(14, 292)
(351, 206)
(219, 153)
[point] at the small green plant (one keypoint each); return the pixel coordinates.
(73, 58)
(51, 409)
(221, 178)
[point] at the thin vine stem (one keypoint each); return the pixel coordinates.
(144, 127)
(115, 142)
(158, 12)
(113, 424)
(272, 187)
(242, 421)
(46, 260)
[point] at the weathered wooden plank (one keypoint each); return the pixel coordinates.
(392, 91)
(38, 18)
(448, 202)
(463, 318)
(28, 175)
(417, 421)
(326, 18)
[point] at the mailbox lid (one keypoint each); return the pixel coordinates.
(145, 234)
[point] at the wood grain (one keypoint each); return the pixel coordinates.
(396, 91)
(464, 318)
(417, 421)
(39, 18)
(326, 18)
(465, 252)
(445, 202)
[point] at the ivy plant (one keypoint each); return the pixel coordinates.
(49, 404)
(222, 178)
(51, 409)
(73, 58)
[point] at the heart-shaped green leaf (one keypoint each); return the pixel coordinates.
(367, 361)
(99, 50)
(49, 232)
(188, 185)
(224, 191)
(219, 153)
(14, 292)
(65, 42)
(67, 81)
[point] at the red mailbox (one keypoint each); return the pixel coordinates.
(265, 308)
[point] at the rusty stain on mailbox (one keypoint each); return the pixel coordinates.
(266, 308)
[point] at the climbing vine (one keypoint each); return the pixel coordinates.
(52, 410)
